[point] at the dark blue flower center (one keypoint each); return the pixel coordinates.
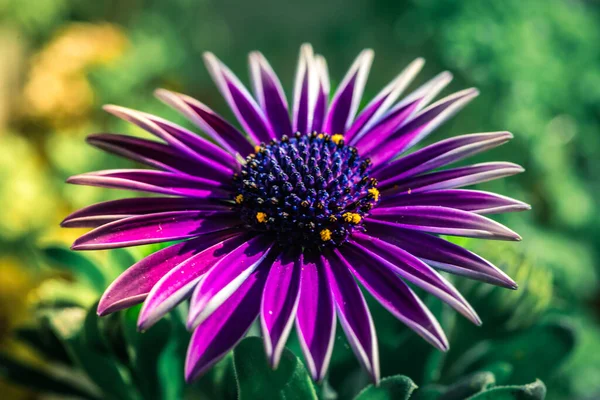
(308, 190)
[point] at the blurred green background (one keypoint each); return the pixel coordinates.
(537, 64)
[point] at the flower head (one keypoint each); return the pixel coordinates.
(276, 220)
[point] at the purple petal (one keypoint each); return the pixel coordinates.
(178, 283)
(133, 285)
(239, 99)
(441, 254)
(411, 269)
(347, 98)
(180, 138)
(108, 211)
(147, 152)
(305, 90)
(155, 228)
(440, 154)
(353, 313)
(209, 121)
(421, 125)
(315, 318)
(475, 201)
(395, 296)
(322, 97)
(279, 304)
(270, 94)
(226, 276)
(382, 102)
(152, 181)
(220, 332)
(453, 178)
(444, 221)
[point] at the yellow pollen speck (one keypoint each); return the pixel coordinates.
(256, 148)
(336, 138)
(375, 193)
(320, 136)
(352, 217)
(261, 217)
(325, 235)
(239, 199)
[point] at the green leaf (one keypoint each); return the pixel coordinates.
(256, 379)
(398, 387)
(82, 267)
(460, 390)
(102, 367)
(532, 391)
(39, 380)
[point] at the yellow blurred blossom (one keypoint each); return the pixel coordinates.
(58, 90)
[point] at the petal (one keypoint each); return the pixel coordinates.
(382, 102)
(169, 183)
(306, 88)
(315, 318)
(270, 94)
(239, 99)
(322, 100)
(108, 211)
(147, 152)
(179, 282)
(396, 297)
(347, 98)
(209, 121)
(412, 270)
(475, 201)
(441, 254)
(133, 285)
(279, 304)
(440, 154)
(421, 125)
(220, 332)
(444, 221)
(155, 228)
(226, 276)
(186, 142)
(353, 313)
(453, 178)
(400, 114)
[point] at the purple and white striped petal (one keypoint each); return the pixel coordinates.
(440, 154)
(383, 101)
(475, 201)
(134, 284)
(421, 125)
(147, 152)
(411, 269)
(178, 283)
(279, 304)
(453, 178)
(347, 98)
(444, 221)
(209, 121)
(226, 277)
(441, 254)
(315, 317)
(220, 332)
(306, 88)
(248, 113)
(353, 313)
(322, 99)
(389, 290)
(162, 182)
(108, 211)
(188, 143)
(155, 228)
(270, 94)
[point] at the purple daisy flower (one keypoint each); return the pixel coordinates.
(279, 220)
